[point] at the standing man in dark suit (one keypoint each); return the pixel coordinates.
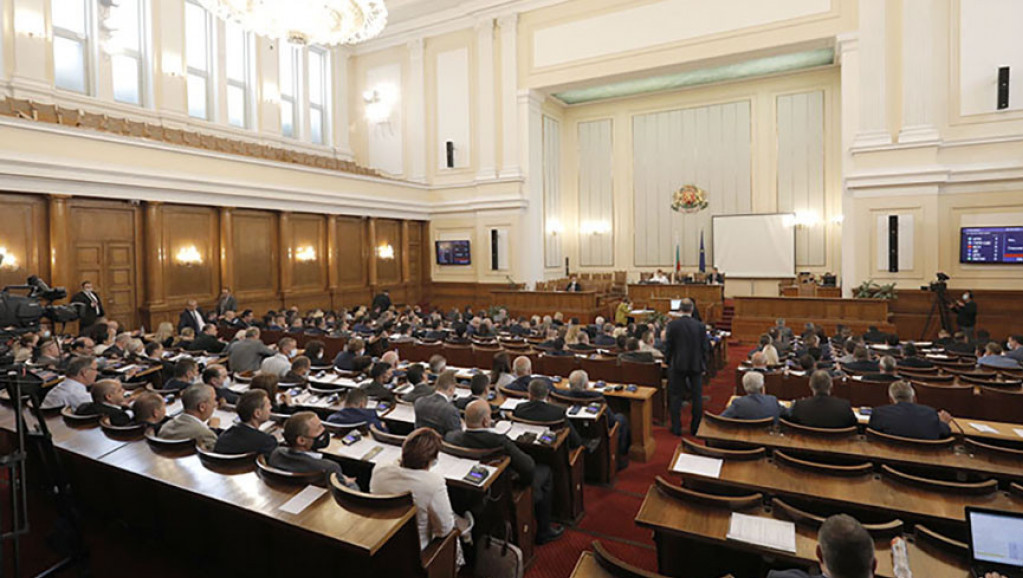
(192, 317)
(573, 284)
(844, 550)
(226, 302)
(207, 340)
(93, 305)
(253, 410)
(382, 301)
(822, 410)
(966, 314)
(687, 348)
(908, 419)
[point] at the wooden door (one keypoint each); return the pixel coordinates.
(110, 265)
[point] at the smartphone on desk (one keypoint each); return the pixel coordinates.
(574, 410)
(351, 438)
(548, 438)
(477, 475)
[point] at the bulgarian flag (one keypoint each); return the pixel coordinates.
(678, 259)
(703, 255)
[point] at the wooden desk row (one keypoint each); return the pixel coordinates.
(585, 305)
(755, 315)
(709, 299)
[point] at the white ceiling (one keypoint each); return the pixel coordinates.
(400, 11)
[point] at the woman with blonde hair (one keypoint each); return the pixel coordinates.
(771, 354)
(164, 334)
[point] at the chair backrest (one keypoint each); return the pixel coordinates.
(351, 499)
(212, 458)
(970, 488)
(815, 521)
(936, 542)
(75, 420)
(133, 431)
(483, 357)
(277, 474)
(977, 446)
(385, 437)
(616, 567)
(165, 443)
(478, 454)
(512, 392)
(740, 423)
(721, 453)
(641, 373)
(743, 502)
(561, 365)
(554, 425)
(458, 355)
(868, 393)
(343, 429)
(601, 369)
(882, 437)
(956, 399)
(850, 470)
(995, 381)
(911, 371)
(562, 399)
(995, 404)
(832, 432)
(936, 378)
(786, 386)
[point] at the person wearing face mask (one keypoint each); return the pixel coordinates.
(299, 372)
(49, 355)
(314, 351)
(196, 422)
(305, 435)
(186, 371)
(280, 363)
(966, 314)
(216, 377)
(434, 515)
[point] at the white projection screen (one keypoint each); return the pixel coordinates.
(755, 246)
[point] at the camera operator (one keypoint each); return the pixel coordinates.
(966, 315)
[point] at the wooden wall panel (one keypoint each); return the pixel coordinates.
(105, 240)
(24, 236)
(999, 312)
(307, 231)
(199, 227)
(351, 251)
(389, 233)
(254, 249)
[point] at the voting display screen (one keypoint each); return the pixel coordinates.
(991, 245)
(453, 253)
(996, 538)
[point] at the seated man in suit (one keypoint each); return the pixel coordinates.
(755, 404)
(150, 408)
(119, 348)
(185, 372)
(436, 366)
(199, 402)
(280, 363)
(887, 366)
(861, 361)
(479, 388)
(477, 435)
(107, 399)
(573, 284)
(216, 377)
(606, 336)
(1014, 347)
(356, 347)
(247, 354)
(558, 348)
(416, 377)
(437, 410)
(305, 435)
(911, 358)
(908, 419)
(537, 409)
(73, 391)
(207, 340)
(579, 388)
(299, 372)
(522, 368)
(993, 358)
(633, 353)
(253, 411)
(354, 411)
(844, 550)
(873, 335)
(961, 344)
(379, 386)
(822, 410)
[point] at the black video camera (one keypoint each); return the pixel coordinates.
(24, 311)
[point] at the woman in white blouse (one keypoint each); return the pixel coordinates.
(429, 489)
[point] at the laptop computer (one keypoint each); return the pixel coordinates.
(996, 542)
(676, 304)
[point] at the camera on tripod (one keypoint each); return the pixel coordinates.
(939, 286)
(24, 311)
(940, 304)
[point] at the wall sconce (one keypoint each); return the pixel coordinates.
(171, 64)
(803, 219)
(7, 260)
(385, 251)
(28, 22)
(838, 219)
(595, 228)
(188, 256)
(380, 102)
(554, 227)
(305, 254)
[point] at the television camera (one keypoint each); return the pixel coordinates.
(940, 304)
(22, 306)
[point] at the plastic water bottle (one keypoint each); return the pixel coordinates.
(900, 559)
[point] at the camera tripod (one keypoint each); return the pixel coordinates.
(939, 305)
(25, 390)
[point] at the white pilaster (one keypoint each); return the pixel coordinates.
(531, 234)
(485, 121)
(341, 91)
(268, 66)
(416, 111)
(873, 94)
(919, 91)
(31, 73)
(169, 96)
(849, 60)
(510, 167)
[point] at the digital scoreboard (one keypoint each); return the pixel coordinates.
(991, 245)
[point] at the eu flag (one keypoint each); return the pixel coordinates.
(703, 255)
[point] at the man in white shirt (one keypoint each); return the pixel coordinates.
(659, 277)
(280, 364)
(191, 317)
(73, 391)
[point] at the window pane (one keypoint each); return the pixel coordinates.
(127, 22)
(287, 72)
(316, 125)
(125, 70)
(287, 118)
(315, 77)
(236, 49)
(68, 64)
(196, 36)
(236, 106)
(196, 96)
(70, 15)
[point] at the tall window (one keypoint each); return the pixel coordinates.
(319, 116)
(127, 55)
(72, 24)
(288, 78)
(199, 56)
(238, 45)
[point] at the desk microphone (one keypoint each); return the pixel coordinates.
(958, 427)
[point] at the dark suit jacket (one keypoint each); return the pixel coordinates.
(186, 319)
(823, 411)
(344, 360)
(910, 420)
(914, 362)
(118, 416)
(226, 395)
(522, 383)
(91, 311)
(479, 439)
(377, 391)
(381, 302)
(573, 287)
(354, 415)
(789, 574)
(686, 345)
(637, 357)
(756, 406)
(543, 411)
(226, 304)
(889, 377)
(176, 384)
(419, 390)
(113, 351)
(435, 411)
(862, 366)
(204, 342)
(242, 439)
(286, 459)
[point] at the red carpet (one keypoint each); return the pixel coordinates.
(610, 511)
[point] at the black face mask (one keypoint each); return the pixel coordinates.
(321, 441)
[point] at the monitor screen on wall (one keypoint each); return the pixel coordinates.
(991, 245)
(453, 253)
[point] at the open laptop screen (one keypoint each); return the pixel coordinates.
(996, 537)
(676, 304)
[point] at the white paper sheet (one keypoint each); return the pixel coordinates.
(302, 500)
(512, 402)
(517, 429)
(983, 428)
(502, 427)
(767, 532)
(402, 412)
(699, 465)
(1018, 431)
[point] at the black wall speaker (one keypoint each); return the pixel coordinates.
(1003, 88)
(893, 243)
(494, 251)
(451, 154)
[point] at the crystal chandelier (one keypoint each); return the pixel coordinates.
(324, 22)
